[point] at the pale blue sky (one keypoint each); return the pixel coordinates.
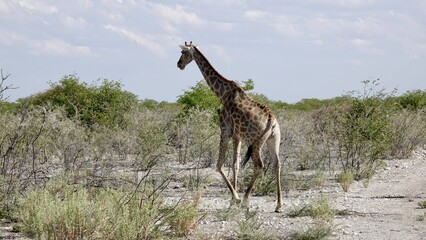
(291, 49)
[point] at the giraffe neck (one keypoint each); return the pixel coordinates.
(217, 83)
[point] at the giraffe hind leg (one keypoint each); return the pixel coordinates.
(273, 145)
(258, 166)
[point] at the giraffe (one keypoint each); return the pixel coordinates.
(241, 119)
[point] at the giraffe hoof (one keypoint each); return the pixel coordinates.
(278, 209)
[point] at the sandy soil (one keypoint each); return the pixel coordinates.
(386, 209)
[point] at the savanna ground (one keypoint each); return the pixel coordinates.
(388, 208)
(86, 161)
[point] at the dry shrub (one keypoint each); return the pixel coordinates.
(320, 209)
(251, 227)
(64, 210)
(345, 179)
(185, 216)
(409, 129)
(196, 138)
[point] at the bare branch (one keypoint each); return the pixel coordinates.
(4, 87)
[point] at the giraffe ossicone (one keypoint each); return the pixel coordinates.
(241, 120)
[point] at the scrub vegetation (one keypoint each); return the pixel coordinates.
(91, 161)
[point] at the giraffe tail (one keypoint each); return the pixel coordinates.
(247, 157)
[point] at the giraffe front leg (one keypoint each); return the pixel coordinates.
(236, 162)
(224, 139)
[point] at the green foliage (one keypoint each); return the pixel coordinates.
(248, 85)
(309, 104)
(316, 232)
(91, 104)
(264, 185)
(8, 107)
(422, 204)
(359, 130)
(366, 134)
(322, 213)
(412, 100)
(149, 103)
(201, 97)
(320, 209)
(345, 179)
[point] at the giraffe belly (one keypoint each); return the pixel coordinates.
(249, 133)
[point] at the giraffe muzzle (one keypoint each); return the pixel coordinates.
(180, 65)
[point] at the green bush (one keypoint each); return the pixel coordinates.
(201, 97)
(103, 104)
(320, 209)
(358, 133)
(412, 100)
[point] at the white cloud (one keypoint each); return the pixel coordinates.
(224, 2)
(11, 38)
(222, 53)
(360, 42)
(254, 15)
(44, 47)
(225, 26)
(114, 16)
(406, 31)
(4, 8)
(367, 46)
(145, 41)
(177, 14)
(86, 4)
(355, 62)
(60, 47)
(37, 6)
(72, 22)
(288, 26)
(347, 3)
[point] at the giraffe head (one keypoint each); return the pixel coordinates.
(187, 55)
